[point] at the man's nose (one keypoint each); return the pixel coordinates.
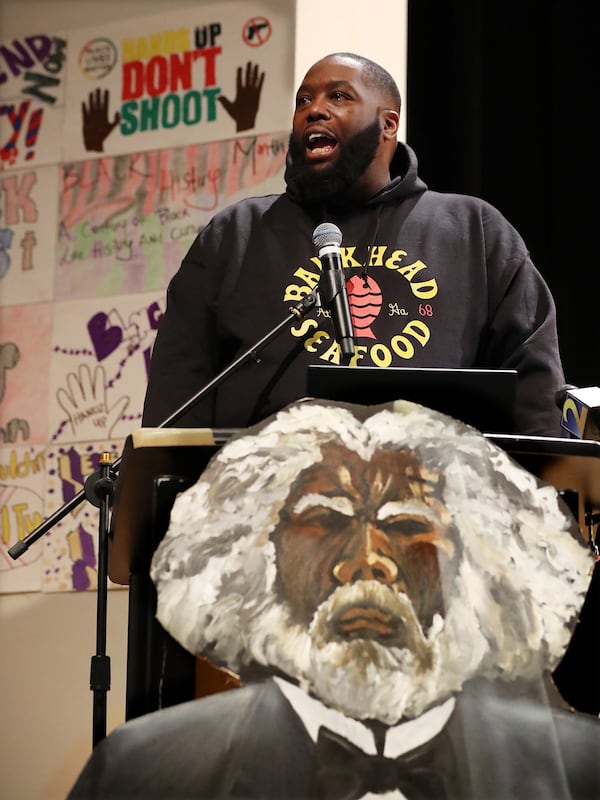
(318, 109)
(371, 562)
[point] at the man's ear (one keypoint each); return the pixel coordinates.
(391, 123)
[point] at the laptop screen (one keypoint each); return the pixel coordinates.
(482, 398)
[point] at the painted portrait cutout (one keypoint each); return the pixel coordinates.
(402, 586)
(380, 557)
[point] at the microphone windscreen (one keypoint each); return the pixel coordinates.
(326, 234)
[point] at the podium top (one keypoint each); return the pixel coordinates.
(150, 453)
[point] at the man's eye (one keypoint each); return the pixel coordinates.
(339, 96)
(300, 101)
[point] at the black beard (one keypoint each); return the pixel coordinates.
(337, 179)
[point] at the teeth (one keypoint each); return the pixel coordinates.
(319, 143)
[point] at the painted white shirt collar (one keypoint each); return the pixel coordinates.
(399, 738)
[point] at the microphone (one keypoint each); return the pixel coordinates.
(580, 410)
(332, 285)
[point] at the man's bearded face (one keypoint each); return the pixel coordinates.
(338, 177)
(379, 527)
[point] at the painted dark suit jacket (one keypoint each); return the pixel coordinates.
(250, 743)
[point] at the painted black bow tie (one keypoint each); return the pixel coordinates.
(345, 772)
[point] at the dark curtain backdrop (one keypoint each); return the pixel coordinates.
(501, 103)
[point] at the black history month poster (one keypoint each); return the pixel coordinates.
(117, 145)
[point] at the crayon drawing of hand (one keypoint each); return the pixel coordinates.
(85, 403)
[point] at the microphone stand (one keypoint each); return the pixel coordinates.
(99, 490)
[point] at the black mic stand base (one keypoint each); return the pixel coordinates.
(99, 490)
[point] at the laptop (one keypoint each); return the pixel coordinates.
(482, 398)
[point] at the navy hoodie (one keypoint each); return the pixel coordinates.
(434, 280)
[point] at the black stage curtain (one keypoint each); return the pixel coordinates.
(500, 104)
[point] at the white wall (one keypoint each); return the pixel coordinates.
(47, 640)
(375, 29)
(46, 704)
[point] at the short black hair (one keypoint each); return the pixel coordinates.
(375, 75)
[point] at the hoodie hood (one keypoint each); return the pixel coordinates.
(404, 181)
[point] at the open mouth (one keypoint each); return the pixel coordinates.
(319, 145)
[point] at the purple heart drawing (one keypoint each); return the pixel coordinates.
(105, 338)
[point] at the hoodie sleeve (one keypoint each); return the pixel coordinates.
(184, 357)
(522, 332)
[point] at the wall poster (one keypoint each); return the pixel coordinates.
(117, 146)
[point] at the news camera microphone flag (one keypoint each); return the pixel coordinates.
(327, 238)
(580, 409)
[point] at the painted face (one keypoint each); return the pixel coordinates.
(381, 522)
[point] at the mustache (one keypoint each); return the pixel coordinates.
(373, 612)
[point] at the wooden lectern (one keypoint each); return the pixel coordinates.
(158, 463)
